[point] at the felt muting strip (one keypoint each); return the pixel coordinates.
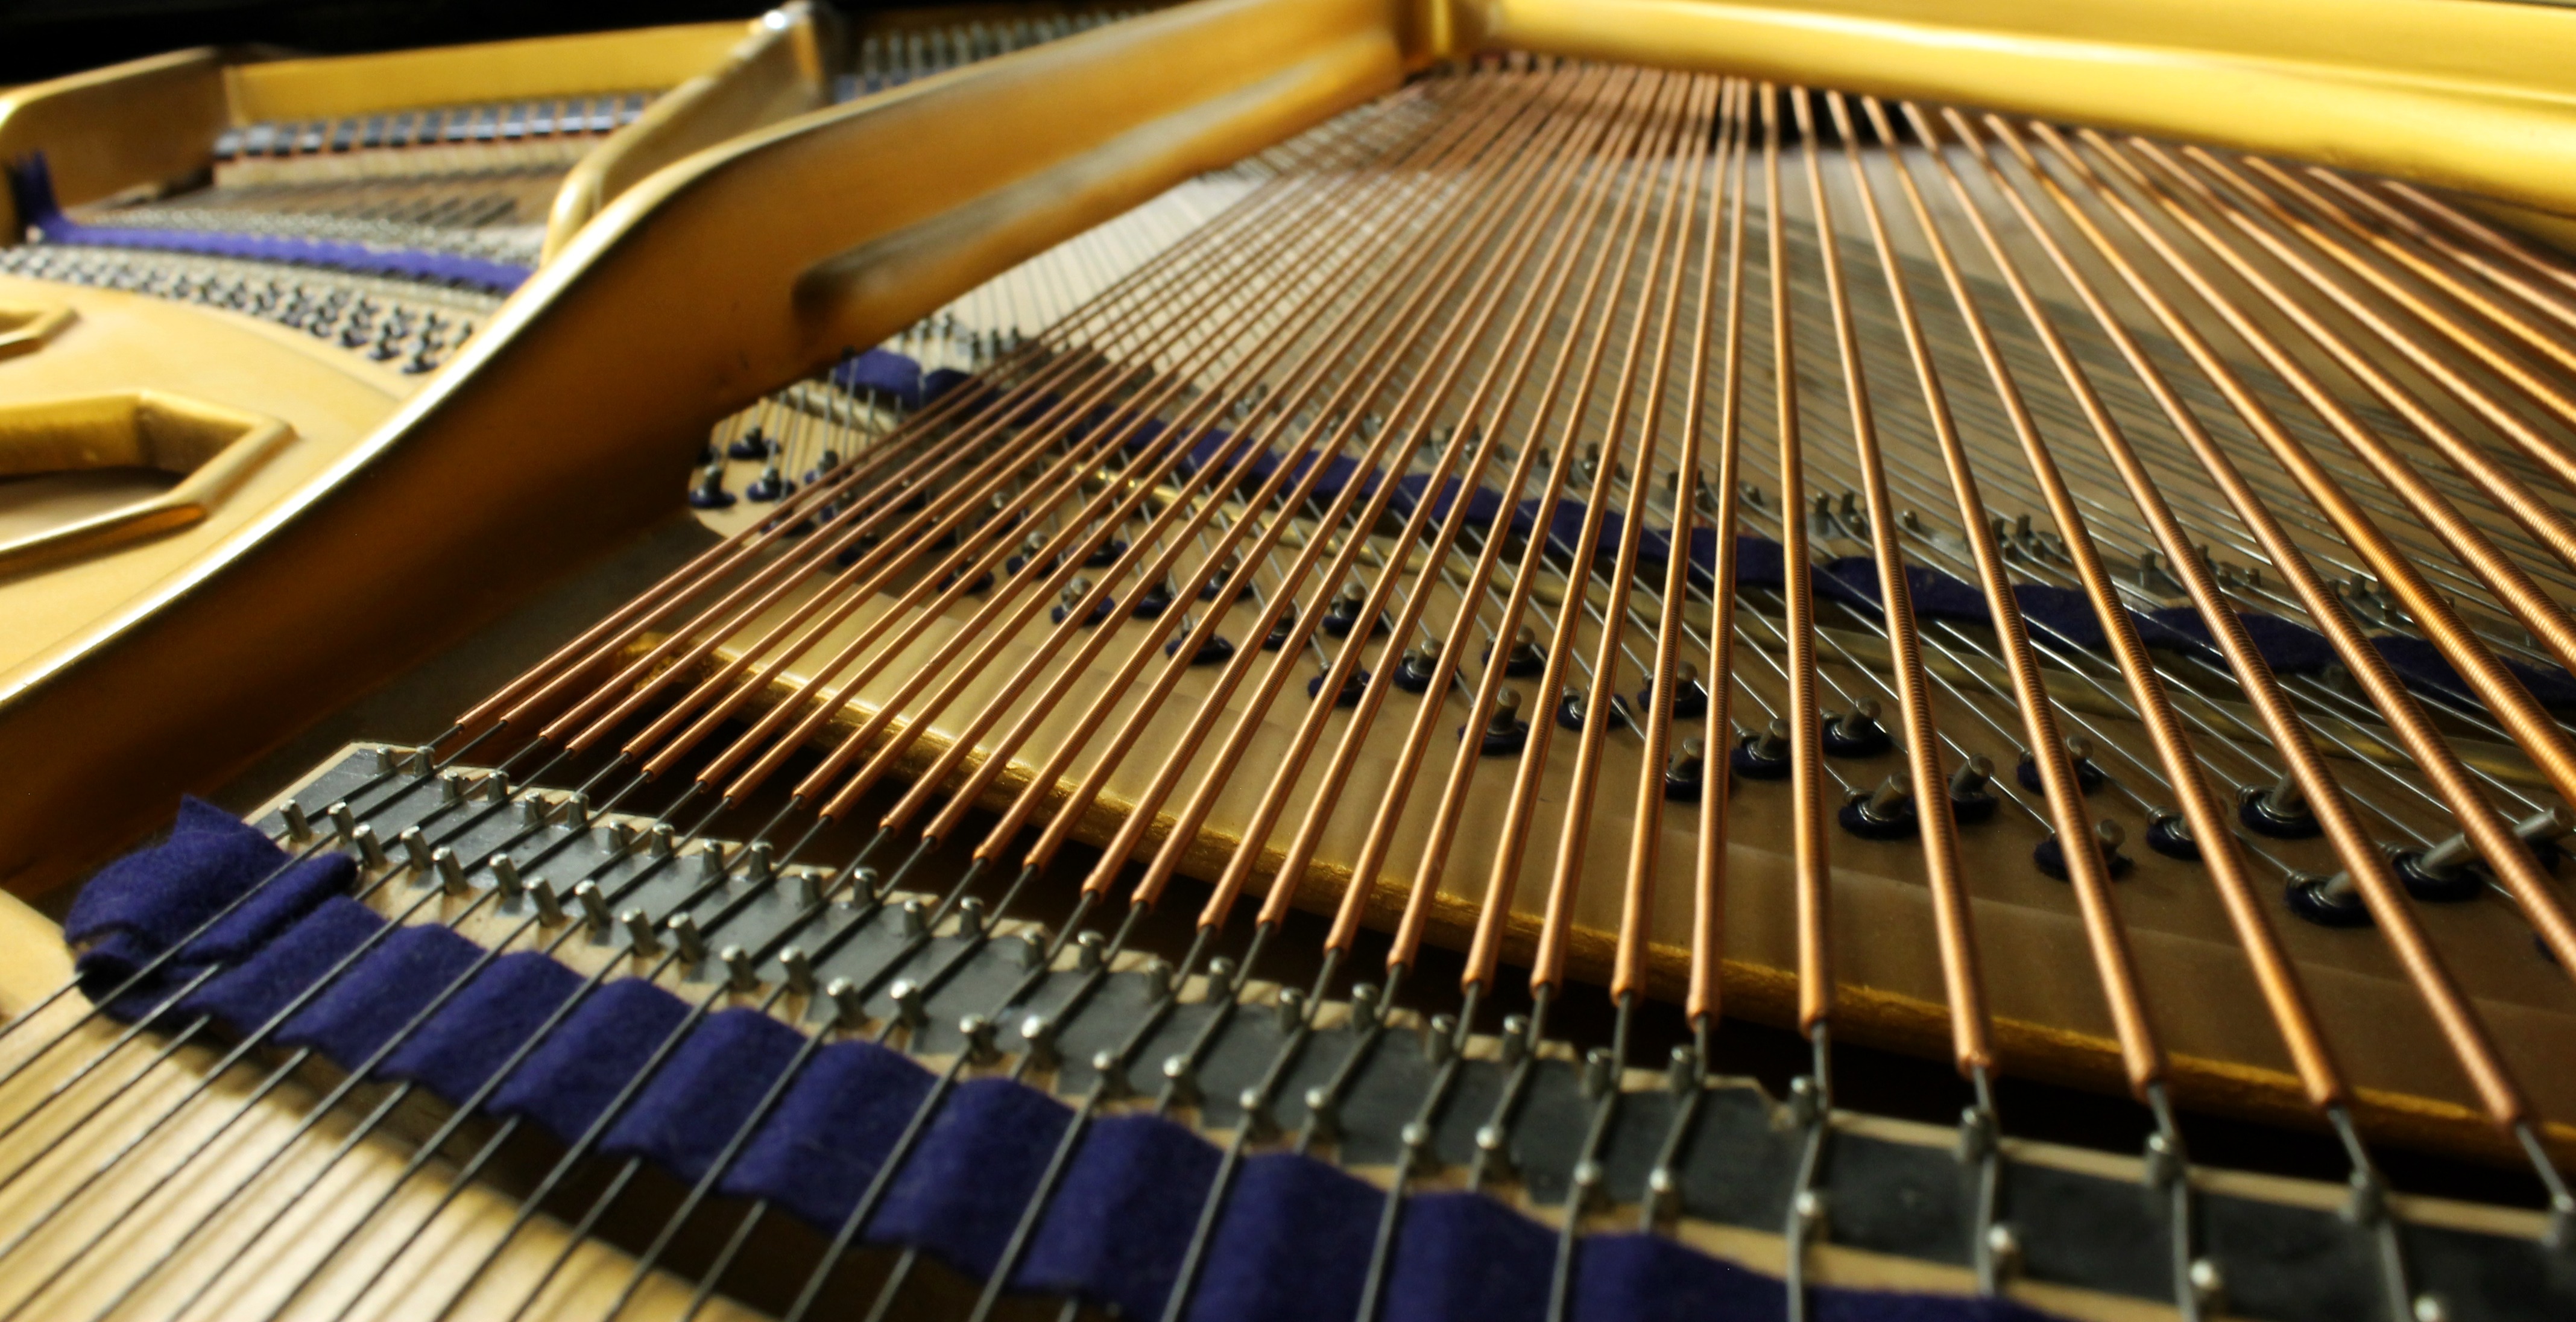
(896, 376)
(31, 186)
(138, 907)
(1292, 1242)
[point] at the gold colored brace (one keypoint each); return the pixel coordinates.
(210, 448)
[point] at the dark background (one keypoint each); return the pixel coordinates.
(46, 38)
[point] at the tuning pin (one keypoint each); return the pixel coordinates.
(2333, 901)
(2279, 810)
(1071, 599)
(1151, 603)
(849, 1004)
(1684, 779)
(1421, 666)
(1216, 577)
(1526, 659)
(1354, 685)
(1970, 799)
(1505, 733)
(740, 973)
(1030, 547)
(911, 1003)
(2107, 837)
(416, 852)
(1856, 733)
(798, 968)
(2169, 834)
(1764, 755)
(2079, 757)
(451, 870)
(1366, 1007)
(2445, 872)
(640, 936)
(1574, 706)
(685, 934)
(979, 1034)
(1689, 698)
(770, 486)
(1886, 813)
(1342, 618)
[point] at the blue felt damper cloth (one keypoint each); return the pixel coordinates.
(1291, 1242)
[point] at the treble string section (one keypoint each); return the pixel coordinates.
(186, 1102)
(982, 923)
(488, 1261)
(578, 1148)
(444, 867)
(2087, 872)
(1547, 971)
(1409, 418)
(1621, 115)
(1111, 862)
(1182, 439)
(2476, 816)
(2363, 864)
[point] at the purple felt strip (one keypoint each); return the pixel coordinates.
(364, 1007)
(1462, 1257)
(700, 1097)
(1118, 1228)
(961, 1194)
(829, 1135)
(31, 184)
(250, 994)
(569, 1080)
(1293, 1243)
(471, 1036)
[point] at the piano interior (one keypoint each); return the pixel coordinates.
(1280, 659)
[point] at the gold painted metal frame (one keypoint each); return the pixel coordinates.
(211, 449)
(26, 327)
(768, 254)
(154, 120)
(755, 261)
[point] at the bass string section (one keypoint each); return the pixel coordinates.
(1604, 535)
